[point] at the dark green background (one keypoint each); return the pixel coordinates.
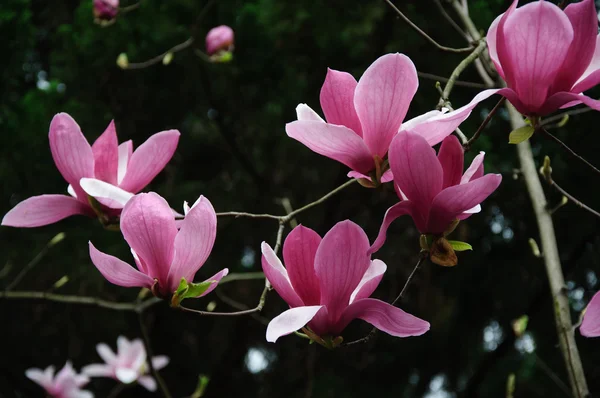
(241, 159)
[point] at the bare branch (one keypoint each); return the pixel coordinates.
(572, 152)
(162, 386)
(483, 125)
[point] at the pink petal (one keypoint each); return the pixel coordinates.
(385, 317)
(193, 242)
(216, 278)
(386, 177)
(125, 151)
(336, 142)
(106, 354)
(558, 100)
(71, 152)
(42, 378)
(532, 45)
(148, 383)
(405, 207)
(304, 112)
(382, 98)
(416, 169)
(118, 272)
(337, 100)
(369, 281)
(455, 200)
(160, 361)
(289, 321)
(584, 21)
(278, 276)
(590, 327)
(491, 38)
(435, 129)
(126, 375)
(591, 76)
(106, 155)
(415, 121)
(148, 226)
(107, 194)
(97, 370)
(299, 251)
(149, 159)
(340, 263)
(43, 210)
(475, 170)
(451, 157)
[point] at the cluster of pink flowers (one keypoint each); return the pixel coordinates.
(128, 365)
(327, 282)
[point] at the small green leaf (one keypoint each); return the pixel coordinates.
(521, 134)
(196, 289)
(203, 381)
(519, 325)
(167, 58)
(182, 288)
(460, 246)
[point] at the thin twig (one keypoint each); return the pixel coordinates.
(443, 79)
(162, 386)
(242, 276)
(425, 35)
(131, 7)
(118, 389)
(483, 125)
(154, 60)
(237, 214)
(572, 152)
(369, 336)
(291, 215)
(560, 116)
(72, 299)
(213, 313)
(450, 20)
(552, 375)
(458, 70)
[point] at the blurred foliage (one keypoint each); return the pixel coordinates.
(234, 150)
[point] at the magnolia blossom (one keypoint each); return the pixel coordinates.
(327, 283)
(65, 384)
(163, 254)
(106, 10)
(590, 327)
(127, 365)
(433, 190)
(107, 171)
(546, 56)
(363, 118)
(219, 39)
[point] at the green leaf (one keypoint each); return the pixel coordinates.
(521, 134)
(519, 325)
(460, 246)
(189, 290)
(203, 381)
(182, 288)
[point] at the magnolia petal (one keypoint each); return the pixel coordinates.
(337, 100)
(492, 36)
(382, 98)
(278, 276)
(148, 383)
(126, 375)
(530, 61)
(106, 155)
(43, 210)
(149, 159)
(415, 121)
(590, 327)
(43, 378)
(336, 142)
(299, 250)
(289, 321)
(451, 157)
(475, 170)
(402, 208)
(416, 169)
(455, 200)
(106, 353)
(97, 370)
(558, 100)
(216, 278)
(118, 272)
(148, 226)
(125, 151)
(369, 281)
(160, 361)
(584, 21)
(386, 177)
(385, 317)
(107, 194)
(71, 151)
(340, 263)
(193, 242)
(305, 112)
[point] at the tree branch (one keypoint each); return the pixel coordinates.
(162, 386)
(571, 152)
(468, 144)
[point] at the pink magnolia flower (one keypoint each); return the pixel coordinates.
(363, 118)
(107, 171)
(590, 327)
(219, 39)
(547, 56)
(106, 10)
(327, 283)
(163, 254)
(433, 190)
(127, 365)
(65, 384)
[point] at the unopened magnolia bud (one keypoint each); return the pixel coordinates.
(442, 253)
(106, 10)
(123, 61)
(219, 39)
(167, 58)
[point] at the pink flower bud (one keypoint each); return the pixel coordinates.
(219, 39)
(106, 10)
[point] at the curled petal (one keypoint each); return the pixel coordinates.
(125, 151)
(400, 209)
(43, 210)
(278, 276)
(475, 170)
(117, 271)
(107, 194)
(216, 278)
(337, 100)
(304, 112)
(290, 321)
(559, 100)
(369, 281)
